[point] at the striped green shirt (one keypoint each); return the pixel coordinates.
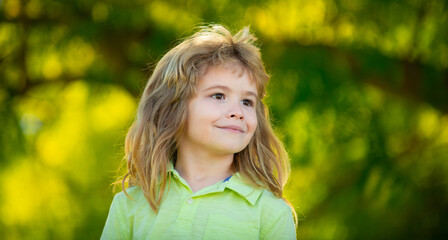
(226, 210)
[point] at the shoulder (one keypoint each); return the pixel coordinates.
(119, 223)
(133, 192)
(133, 198)
(268, 202)
(276, 218)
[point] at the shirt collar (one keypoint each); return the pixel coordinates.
(235, 183)
(250, 193)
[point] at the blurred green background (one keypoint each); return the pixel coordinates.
(359, 94)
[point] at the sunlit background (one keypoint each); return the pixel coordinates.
(359, 94)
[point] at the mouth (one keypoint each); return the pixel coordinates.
(231, 128)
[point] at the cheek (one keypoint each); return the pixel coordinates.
(202, 113)
(252, 122)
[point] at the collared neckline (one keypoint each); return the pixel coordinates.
(235, 183)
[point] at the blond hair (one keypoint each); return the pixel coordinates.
(151, 142)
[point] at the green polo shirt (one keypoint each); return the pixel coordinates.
(226, 210)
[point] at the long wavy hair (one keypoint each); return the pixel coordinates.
(152, 140)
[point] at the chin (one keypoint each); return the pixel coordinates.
(229, 147)
(235, 149)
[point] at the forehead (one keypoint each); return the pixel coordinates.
(224, 73)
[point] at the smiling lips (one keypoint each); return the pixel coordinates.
(232, 128)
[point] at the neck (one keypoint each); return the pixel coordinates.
(202, 169)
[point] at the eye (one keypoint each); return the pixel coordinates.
(218, 96)
(248, 102)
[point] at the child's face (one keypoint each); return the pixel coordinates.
(221, 116)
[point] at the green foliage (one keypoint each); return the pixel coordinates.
(359, 93)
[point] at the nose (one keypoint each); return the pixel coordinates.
(235, 112)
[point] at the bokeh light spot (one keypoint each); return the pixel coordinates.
(52, 67)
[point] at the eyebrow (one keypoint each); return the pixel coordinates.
(228, 89)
